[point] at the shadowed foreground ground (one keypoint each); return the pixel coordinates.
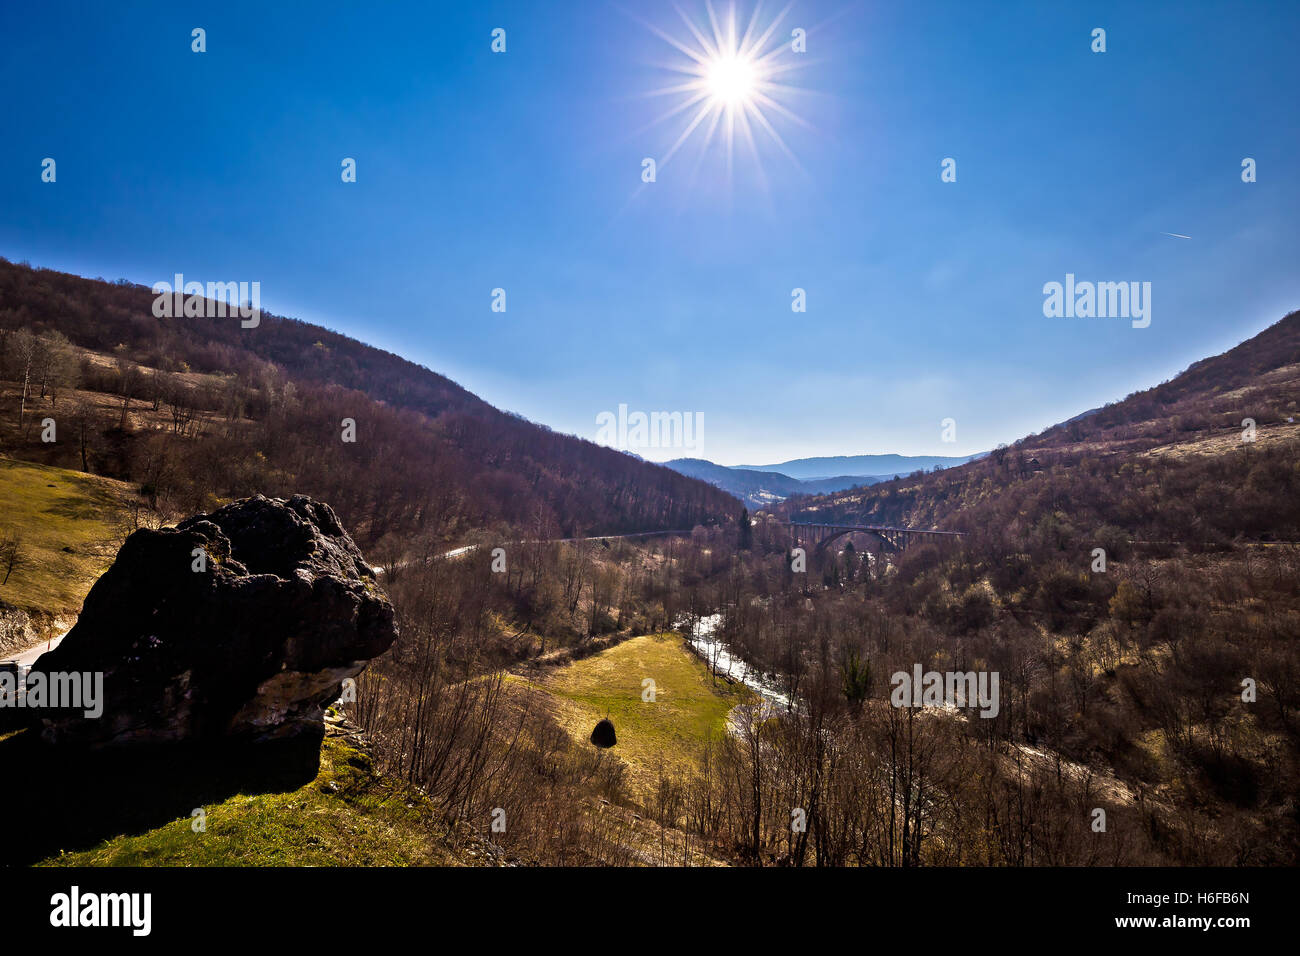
(55, 799)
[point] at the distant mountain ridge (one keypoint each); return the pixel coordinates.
(755, 488)
(883, 466)
(767, 485)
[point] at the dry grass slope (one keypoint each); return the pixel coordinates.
(67, 523)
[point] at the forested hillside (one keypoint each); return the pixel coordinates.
(1132, 575)
(199, 409)
(1201, 460)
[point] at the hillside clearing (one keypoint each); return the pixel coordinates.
(666, 735)
(66, 523)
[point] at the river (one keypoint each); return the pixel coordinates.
(715, 653)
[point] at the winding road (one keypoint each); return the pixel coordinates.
(28, 657)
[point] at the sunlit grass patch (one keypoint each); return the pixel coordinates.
(667, 734)
(64, 521)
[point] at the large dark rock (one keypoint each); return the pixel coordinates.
(246, 652)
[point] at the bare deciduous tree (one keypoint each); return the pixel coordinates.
(11, 553)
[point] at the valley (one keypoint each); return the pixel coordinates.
(540, 584)
(367, 570)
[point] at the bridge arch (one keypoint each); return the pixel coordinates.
(887, 542)
(891, 539)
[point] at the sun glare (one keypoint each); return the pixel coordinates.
(729, 81)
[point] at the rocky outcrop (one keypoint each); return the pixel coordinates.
(21, 629)
(234, 627)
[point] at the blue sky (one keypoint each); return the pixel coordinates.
(522, 171)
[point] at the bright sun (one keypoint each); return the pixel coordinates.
(731, 79)
(729, 85)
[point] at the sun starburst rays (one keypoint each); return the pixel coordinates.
(729, 85)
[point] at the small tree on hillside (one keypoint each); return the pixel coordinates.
(11, 553)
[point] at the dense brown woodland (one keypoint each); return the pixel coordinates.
(1121, 689)
(1122, 684)
(197, 409)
